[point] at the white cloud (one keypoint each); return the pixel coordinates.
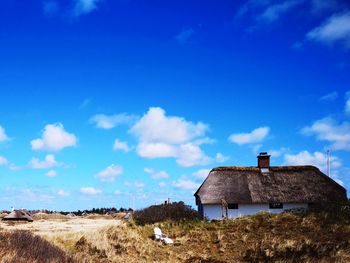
(156, 174)
(249, 5)
(117, 192)
(328, 130)
(347, 103)
(110, 173)
(48, 162)
(62, 193)
(156, 127)
(156, 150)
(162, 184)
(51, 173)
(3, 161)
(184, 36)
(3, 136)
(8, 164)
(186, 184)
(134, 184)
(54, 138)
(317, 159)
(202, 173)
(274, 12)
(90, 190)
(163, 136)
(106, 122)
(330, 96)
(220, 158)
(334, 29)
(34, 195)
(277, 153)
(120, 145)
(190, 155)
(84, 6)
(255, 136)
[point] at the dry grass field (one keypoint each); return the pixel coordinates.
(54, 227)
(264, 237)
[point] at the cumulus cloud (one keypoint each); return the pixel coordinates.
(106, 122)
(85, 6)
(62, 193)
(162, 184)
(156, 150)
(120, 145)
(3, 136)
(163, 136)
(51, 173)
(255, 136)
(155, 174)
(184, 36)
(334, 29)
(186, 184)
(110, 173)
(202, 173)
(3, 161)
(330, 96)
(155, 126)
(277, 153)
(90, 190)
(47, 163)
(317, 159)
(329, 130)
(54, 138)
(134, 184)
(347, 104)
(275, 11)
(220, 158)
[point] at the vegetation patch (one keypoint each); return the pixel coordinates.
(176, 212)
(23, 246)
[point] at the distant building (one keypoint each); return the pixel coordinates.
(19, 215)
(234, 191)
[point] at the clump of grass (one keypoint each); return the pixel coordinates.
(23, 246)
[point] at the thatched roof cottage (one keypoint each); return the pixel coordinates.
(233, 191)
(19, 215)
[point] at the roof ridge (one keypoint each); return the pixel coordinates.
(273, 168)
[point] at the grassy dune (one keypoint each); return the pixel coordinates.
(287, 237)
(260, 238)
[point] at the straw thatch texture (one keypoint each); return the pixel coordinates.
(283, 184)
(19, 215)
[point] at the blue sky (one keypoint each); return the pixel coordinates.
(126, 103)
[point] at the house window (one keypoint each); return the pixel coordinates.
(232, 206)
(276, 206)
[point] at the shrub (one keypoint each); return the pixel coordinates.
(22, 246)
(176, 211)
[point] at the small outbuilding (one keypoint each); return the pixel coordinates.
(234, 190)
(19, 215)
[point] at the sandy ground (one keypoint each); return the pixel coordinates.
(54, 227)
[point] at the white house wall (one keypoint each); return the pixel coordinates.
(215, 212)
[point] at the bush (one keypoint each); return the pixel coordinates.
(176, 211)
(22, 246)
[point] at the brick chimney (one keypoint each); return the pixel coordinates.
(263, 160)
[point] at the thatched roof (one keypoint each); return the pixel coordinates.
(18, 215)
(285, 184)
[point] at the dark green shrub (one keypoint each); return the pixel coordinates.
(176, 211)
